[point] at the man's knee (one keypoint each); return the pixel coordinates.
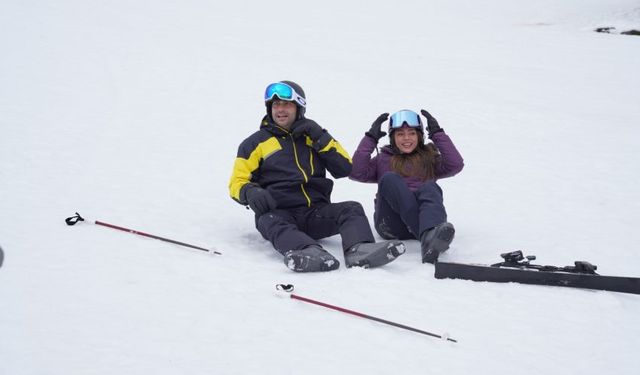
(349, 209)
(354, 207)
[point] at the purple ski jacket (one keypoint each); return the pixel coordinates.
(368, 169)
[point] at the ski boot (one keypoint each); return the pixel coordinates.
(310, 259)
(435, 241)
(370, 255)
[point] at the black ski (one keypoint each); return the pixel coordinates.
(518, 268)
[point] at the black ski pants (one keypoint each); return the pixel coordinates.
(297, 228)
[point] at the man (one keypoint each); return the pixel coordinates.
(280, 173)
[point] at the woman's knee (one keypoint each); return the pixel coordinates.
(430, 187)
(391, 182)
(390, 178)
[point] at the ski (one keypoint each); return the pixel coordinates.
(518, 268)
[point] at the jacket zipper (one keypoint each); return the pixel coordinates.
(304, 174)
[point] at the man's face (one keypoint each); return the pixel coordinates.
(283, 113)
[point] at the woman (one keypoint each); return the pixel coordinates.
(408, 203)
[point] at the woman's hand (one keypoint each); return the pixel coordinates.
(376, 128)
(432, 123)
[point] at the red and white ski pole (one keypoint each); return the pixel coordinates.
(288, 288)
(77, 218)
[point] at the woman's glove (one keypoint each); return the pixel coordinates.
(432, 124)
(376, 128)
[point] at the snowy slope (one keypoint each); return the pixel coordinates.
(131, 113)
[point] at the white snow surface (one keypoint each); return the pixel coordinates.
(130, 112)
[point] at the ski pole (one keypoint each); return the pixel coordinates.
(76, 218)
(289, 288)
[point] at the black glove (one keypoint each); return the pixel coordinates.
(376, 128)
(309, 127)
(260, 200)
(432, 124)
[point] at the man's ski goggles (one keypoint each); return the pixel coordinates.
(405, 117)
(284, 92)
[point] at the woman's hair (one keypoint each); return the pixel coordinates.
(420, 163)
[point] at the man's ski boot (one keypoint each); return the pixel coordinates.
(310, 259)
(370, 255)
(435, 241)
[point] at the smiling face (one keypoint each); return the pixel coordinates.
(283, 113)
(406, 139)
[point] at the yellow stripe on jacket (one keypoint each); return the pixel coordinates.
(243, 168)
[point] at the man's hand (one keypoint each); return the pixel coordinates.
(260, 200)
(308, 127)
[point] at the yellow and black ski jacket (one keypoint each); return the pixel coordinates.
(292, 170)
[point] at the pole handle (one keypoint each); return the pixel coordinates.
(73, 220)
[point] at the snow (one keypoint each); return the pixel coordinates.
(131, 113)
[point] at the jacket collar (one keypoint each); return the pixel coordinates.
(270, 126)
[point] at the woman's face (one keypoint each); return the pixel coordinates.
(406, 139)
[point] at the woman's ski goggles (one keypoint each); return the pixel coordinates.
(284, 92)
(405, 117)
